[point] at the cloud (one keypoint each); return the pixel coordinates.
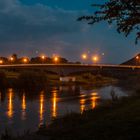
(27, 28)
(22, 22)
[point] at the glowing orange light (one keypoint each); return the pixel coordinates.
(82, 105)
(56, 59)
(25, 60)
(23, 102)
(1, 61)
(42, 57)
(94, 100)
(54, 105)
(84, 56)
(10, 104)
(11, 59)
(95, 58)
(23, 107)
(137, 57)
(41, 110)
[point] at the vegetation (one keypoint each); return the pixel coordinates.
(2, 80)
(31, 80)
(35, 60)
(117, 121)
(125, 13)
(89, 78)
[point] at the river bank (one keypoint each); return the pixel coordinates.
(35, 80)
(115, 119)
(112, 121)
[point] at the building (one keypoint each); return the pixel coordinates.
(68, 79)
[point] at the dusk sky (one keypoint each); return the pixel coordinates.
(34, 27)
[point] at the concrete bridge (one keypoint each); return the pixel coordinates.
(66, 69)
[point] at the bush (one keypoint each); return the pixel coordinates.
(30, 80)
(2, 80)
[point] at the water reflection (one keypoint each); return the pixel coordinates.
(10, 104)
(41, 109)
(54, 103)
(94, 100)
(28, 109)
(23, 105)
(82, 105)
(88, 102)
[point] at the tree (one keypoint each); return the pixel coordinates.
(14, 56)
(125, 13)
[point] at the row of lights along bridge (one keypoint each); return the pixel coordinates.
(13, 59)
(42, 59)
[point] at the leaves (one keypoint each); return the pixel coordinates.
(125, 13)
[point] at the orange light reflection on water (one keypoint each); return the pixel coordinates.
(94, 99)
(41, 108)
(54, 104)
(23, 107)
(85, 101)
(82, 105)
(10, 104)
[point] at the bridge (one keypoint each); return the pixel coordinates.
(66, 69)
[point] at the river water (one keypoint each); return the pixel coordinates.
(21, 111)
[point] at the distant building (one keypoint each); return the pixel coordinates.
(68, 79)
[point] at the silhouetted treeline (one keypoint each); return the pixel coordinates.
(14, 59)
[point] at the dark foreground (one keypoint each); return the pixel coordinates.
(120, 121)
(113, 121)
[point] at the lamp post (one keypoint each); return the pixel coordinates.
(84, 57)
(137, 60)
(43, 58)
(1, 62)
(25, 60)
(95, 59)
(56, 59)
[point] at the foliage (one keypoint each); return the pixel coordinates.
(31, 80)
(125, 13)
(2, 80)
(108, 122)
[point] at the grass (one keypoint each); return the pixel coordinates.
(116, 121)
(88, 78)
(113, 120)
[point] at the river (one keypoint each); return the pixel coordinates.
(21, 111)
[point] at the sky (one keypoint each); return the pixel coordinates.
(35, 27)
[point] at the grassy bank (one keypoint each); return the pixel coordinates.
(31, 79)
(113, 121)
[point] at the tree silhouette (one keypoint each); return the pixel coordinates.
(125, 13)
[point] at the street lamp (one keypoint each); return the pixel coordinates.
(95, 59)
(43, 57)
(1, 61)
(137, 59)
(84, 56)
(56, 59)
(25, 60)
(11, 59)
